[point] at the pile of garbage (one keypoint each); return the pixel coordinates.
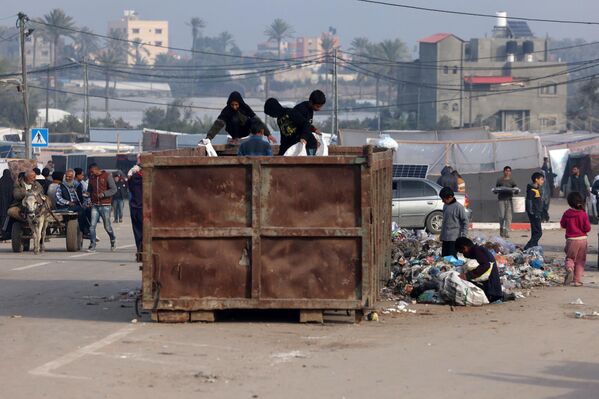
(420, 273)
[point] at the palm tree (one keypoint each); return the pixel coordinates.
(138, 49)
(197, 24)
(224, 41)
(86, 43)
(278, 31)
(359, 46)
(119, 46)
(57, 25)
(392, 51)
(107, 59)
(327, 43)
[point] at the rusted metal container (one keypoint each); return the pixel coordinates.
(307, 233)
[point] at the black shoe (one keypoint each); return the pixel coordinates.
(509, 297)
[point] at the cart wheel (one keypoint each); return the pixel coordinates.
(17, 237)
(73, 233)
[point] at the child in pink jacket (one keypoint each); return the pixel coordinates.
(576, 222)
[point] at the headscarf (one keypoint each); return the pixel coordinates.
(236, 126)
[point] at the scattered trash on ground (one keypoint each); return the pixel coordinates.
(16, 316)
(577, 302)
(419, 272)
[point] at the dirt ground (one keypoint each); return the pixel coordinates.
(64, 333)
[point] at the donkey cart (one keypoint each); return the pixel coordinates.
(61, 224)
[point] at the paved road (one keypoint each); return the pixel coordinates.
(72, 337)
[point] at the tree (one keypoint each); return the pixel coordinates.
(86, 43)
(584, 109)
(359, 46)
(176, 118)
(119, 46)
(278, 31)
(139, 50)
(57, 25)
(107, 59)
(197, 24)
(392, 51)
(327, 43)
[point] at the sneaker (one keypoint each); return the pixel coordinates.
(91, 249)
(113, 245)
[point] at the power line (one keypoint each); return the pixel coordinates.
(167, 47)
(474, 14)
(495, 93)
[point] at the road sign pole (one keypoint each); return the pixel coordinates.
(26, 136)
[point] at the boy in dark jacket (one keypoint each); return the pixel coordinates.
(534, 208)
(302, 116)
(455, 222)
(289, 132)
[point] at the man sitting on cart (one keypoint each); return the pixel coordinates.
(22, 187)
(67, 198)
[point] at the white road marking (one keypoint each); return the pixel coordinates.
(45, 370)
(126, 246)
(82, 255)
(31, 266)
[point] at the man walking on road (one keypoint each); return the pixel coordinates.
(505, 188)
(101, 188)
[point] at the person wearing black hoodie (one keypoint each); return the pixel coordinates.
(6, 188)
(534, 208)
(303, 115)
(236, 118)
(290, 135)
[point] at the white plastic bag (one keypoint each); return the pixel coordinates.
(323, 149)
(210, 151)
(296, 150)
(472, 264)
(386, 141)
(460, 292)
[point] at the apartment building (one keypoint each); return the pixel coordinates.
(144, 32)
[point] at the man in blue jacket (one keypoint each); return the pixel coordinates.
(256, 146)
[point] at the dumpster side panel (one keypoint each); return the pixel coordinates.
(202, 268)
(308, 268)
(311, 196)
(201, 197)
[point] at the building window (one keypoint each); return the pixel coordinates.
(548, 122)
(455, 70)
(445, 69)
(158, 43)
(455, 107)
(158, 31)
(135, 31)
(548, 89)
(445, 106)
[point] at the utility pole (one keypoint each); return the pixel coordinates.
(86, 116)
(335, 119)
(47, 92)
(378, 110)
(27, 136)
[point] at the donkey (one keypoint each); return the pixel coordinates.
(37, 211)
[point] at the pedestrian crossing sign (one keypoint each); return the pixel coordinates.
(39, 137)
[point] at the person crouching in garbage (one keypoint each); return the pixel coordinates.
(486, 274)
(455, 222)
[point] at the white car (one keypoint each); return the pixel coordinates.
(417, 205)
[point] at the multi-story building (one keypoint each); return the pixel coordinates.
(505, 81)
(42, 49)
(144, 32)
(299, 47)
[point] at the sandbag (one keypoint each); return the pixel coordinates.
(323, 149)
(460, 292)
(210, 151)
(296, 150)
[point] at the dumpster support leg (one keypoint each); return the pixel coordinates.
(311, 316)
(203, 315)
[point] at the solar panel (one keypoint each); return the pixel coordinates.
(519, 28)
(419, 171)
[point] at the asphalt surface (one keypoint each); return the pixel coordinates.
(66, 331)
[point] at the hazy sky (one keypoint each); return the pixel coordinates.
(247, 19)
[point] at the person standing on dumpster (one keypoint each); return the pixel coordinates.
(534, 209)
(486, 275)
(256, 146)
(289, 132)
(236, 119)
(302, 116)
(505, 189)
(455, 222)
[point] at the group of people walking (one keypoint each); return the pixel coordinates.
(99, 195)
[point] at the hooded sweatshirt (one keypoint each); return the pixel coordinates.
(236, 123)
(289, 132)
(447, 179)
(534, 201)
(302, 116)
(576, 222)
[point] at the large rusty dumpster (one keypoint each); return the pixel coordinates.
(306, 233)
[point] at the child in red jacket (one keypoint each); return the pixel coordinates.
(576, 222)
